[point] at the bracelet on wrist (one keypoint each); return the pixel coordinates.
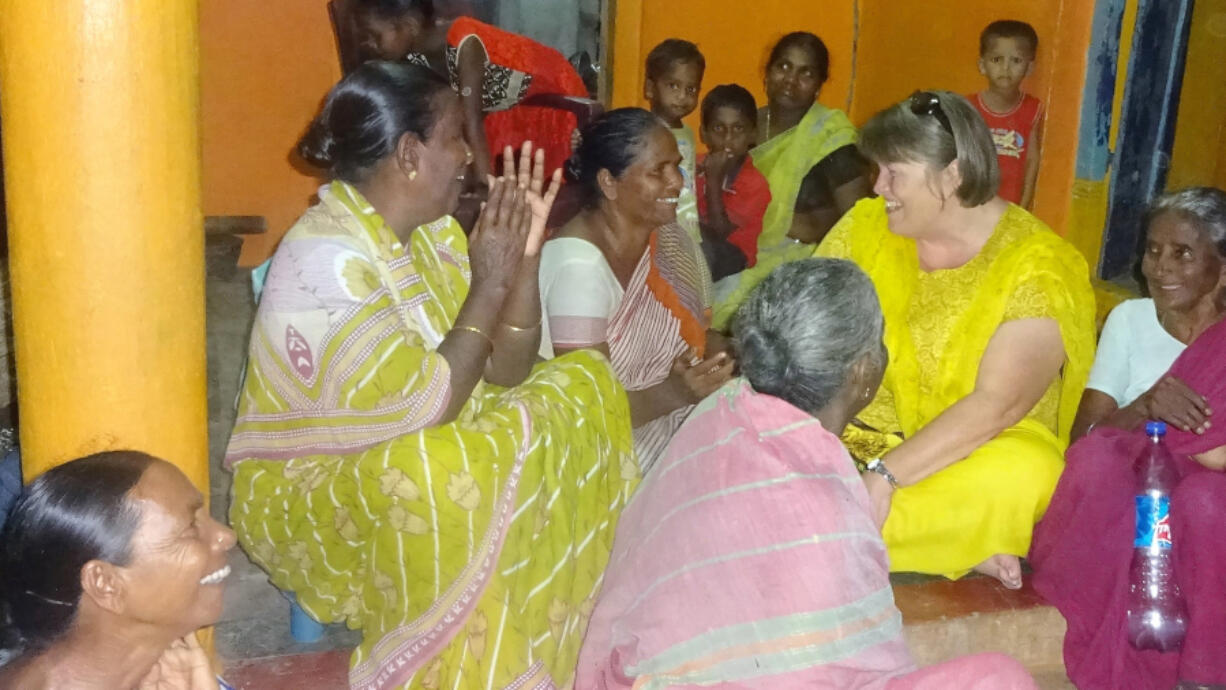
(521, 329)
(876, 465)
(478, 331)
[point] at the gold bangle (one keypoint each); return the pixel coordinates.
(478, 331)
(522, 329)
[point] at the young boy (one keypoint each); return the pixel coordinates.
(1007, 50)
(732, 194)
(674, 77)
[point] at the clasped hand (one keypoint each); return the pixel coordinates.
(511, 227)
(1170, 400)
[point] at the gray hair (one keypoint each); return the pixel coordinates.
(1205, 207)
(897, 135)
(799, 332)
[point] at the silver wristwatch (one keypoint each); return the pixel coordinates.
(875, 465)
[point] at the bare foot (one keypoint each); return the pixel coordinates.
(1004, 567)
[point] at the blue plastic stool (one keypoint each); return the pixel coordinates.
(302, 627)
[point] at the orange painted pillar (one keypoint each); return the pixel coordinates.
(102, 174)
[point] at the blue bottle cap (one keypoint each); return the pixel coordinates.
(1155, 428)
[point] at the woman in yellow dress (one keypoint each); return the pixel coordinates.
(401, 462)
(989, 320)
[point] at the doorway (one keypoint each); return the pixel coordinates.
(1142, 156)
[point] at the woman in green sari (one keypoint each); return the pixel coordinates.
(808, 155)
(401, 461)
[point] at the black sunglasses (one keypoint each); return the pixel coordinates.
(927, 103)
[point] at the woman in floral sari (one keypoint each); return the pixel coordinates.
(808, 155)
(400, 463)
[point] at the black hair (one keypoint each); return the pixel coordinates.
(365, 115)
(671, 51)
(611, 142)
(730, 96)
(1009, 28)
(72, 514)
(805, 41)
(394, 9)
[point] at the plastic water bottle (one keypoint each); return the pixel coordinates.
(1157, 616)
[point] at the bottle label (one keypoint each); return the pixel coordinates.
(1153, 522)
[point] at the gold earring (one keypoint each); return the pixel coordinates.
(412, 175)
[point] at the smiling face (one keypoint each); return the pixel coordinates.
(444, 155)
(1005, 63)
(647, 190)
(674, 94)
(912, 201)
(178, 563)
(1181, 266)
(728, 129)
(793, 79)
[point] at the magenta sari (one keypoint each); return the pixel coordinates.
(1083, 546)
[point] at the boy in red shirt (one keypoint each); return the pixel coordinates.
(732, 194)
(1007, 50)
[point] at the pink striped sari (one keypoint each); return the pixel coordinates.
(748, 558)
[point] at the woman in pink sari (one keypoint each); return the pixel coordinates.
(750, 557)
(1083, 546)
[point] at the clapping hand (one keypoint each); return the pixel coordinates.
(530, 176)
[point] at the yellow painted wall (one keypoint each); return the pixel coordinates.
(1200, 130)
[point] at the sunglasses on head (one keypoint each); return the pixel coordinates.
(928, 103)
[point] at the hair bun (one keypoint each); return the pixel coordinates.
(573, 169)
(318, 146)
(766, 356)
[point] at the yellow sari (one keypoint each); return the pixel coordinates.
(784, 160)
(467, 552)
(937, 327)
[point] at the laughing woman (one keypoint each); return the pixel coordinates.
(989, 319)
(623, 278)
(401, 463)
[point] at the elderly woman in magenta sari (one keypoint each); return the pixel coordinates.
(750, 557)
(401, 463)
(1160, 358)
(808, 154)
(624, 278)
(989, 318)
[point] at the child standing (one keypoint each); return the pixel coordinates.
(1007, 50)
(674, 77)
(732, 193)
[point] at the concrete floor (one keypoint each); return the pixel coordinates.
(255, 623)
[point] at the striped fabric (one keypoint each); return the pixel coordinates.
(662, 313)
(468, 553)
(748, 559)
(644, 339)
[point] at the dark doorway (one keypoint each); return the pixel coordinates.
(1147, 126)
